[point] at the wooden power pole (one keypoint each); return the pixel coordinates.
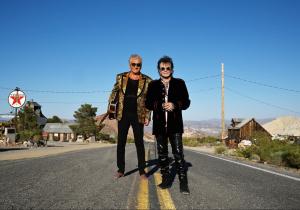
(222, 112)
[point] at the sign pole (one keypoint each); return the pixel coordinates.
(16, 99)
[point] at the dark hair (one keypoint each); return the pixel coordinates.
(165, 59)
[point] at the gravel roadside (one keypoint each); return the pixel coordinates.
(53, 148)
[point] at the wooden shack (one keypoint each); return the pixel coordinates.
(241, 129)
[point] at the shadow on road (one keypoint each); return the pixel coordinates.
(11, 149)
(149, 163)
(154, 162)
(173, 169)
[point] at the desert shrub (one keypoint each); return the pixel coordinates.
(255, 157)
(191, 142)
(102, 136)
(106, 138)
(276, 158)
(248, 151)
(260, 138)
(130, 140)
(111, 140)
(34, 134)
(194, 142)
(208, 140)
(276, 152)
(291, 158)
(220, 149)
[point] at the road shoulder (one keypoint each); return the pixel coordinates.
(52, 149)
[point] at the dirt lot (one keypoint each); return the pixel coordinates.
(53, 148)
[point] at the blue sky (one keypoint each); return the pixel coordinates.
(79, 46)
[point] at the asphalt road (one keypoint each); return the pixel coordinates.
(84, 179)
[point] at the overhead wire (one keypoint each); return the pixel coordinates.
(192, 80)
(60, 92)
(260, 101)
(205, 77)
(262, 84)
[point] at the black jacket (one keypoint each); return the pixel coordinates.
(178, 95)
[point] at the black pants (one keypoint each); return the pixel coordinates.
(138, 132)
(177, 150)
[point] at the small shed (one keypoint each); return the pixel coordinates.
(244, 129)
(59, 132)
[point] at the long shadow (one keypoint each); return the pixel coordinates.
(152, 162)
(154, 169)
(11, 149)
(173, 169)
(149, 163)
(5, 149)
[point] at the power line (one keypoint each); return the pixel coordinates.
(61, 102)
(260, 101)
(203, 90)
(206, 77)
(60, 92)
(263, 84)
(92, 91)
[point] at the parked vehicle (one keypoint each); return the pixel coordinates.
(10, 135)
(80, 138)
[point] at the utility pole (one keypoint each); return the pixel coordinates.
(222, 109)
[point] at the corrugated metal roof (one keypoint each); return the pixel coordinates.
(237, 119)
(241, 124)
(58, 127)
(41, 120)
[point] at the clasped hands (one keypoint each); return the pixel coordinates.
(168, 106)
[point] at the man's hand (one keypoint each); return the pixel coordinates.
(169, 106)
(146, 123)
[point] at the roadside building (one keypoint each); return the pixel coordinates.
(241, 129)
(59, 132)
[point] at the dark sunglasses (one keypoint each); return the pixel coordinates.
(136, 64)
(163, 68)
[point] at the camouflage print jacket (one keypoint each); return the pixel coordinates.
(120, 87)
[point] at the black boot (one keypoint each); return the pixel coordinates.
(166, 181)
(184, 188)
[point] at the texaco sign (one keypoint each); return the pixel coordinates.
(16, 98)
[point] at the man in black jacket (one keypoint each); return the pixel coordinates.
(167, 97)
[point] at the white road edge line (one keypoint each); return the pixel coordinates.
(243, 164)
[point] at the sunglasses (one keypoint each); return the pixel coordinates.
(167, 68)
(136, 64)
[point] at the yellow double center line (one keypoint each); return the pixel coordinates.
(164, 197)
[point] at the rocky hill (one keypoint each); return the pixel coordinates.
(287, 125)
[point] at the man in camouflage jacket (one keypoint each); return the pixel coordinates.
(130, 92)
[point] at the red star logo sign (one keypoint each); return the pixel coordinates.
(16, 98)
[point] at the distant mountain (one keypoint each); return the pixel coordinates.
(203, 128)
(287, 125)
(192, 128)
(6, 118)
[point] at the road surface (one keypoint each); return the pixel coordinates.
(84, 179)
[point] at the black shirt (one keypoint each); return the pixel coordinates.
(130, 99)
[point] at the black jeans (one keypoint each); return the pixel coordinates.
(138, 132)
(177, 150)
